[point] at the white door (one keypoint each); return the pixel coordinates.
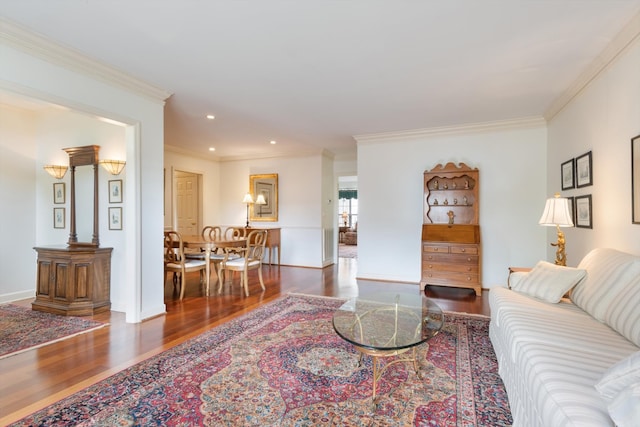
(187, 203)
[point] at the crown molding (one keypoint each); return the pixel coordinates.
(257, 156)
(27, 41)
(625, 38)
(523, 123)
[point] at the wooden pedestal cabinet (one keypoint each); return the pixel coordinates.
(451, 253)
(73, 281)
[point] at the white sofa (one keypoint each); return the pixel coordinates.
(571, 361)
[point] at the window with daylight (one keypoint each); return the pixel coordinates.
(348, 211)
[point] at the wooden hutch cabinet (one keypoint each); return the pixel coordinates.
(451, 252)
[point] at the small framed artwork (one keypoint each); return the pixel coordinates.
(115, 218)
(115, 191)
(584, 170)
(58, 193)
(572, 209)
(58, 218)
(567, 174)
(583, 211)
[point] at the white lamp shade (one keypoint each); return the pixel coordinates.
(260, 200)
(556, 212)
(247, 198)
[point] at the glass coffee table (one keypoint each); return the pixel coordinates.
(388, 324)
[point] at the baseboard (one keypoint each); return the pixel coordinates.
(17, 296)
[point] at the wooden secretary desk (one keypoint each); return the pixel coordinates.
(451, 251)
(75, 279)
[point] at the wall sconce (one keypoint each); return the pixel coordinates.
(114, 167)
(56, 171)
(556, 212)
(248, 199)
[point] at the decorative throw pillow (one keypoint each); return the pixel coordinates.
(619, 376)
(549, 282)
(624, 410)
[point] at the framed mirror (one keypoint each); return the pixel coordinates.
(264, 189)
(83, 196)
(635, 180)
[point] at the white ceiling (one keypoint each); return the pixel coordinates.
(310, 74)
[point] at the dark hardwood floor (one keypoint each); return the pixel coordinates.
(39, 377)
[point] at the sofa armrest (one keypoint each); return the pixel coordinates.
(516, 274)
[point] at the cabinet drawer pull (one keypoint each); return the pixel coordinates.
(469, 259)
(468, 278)
(430, 266)
(464, 250)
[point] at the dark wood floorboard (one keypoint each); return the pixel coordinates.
(39, 377)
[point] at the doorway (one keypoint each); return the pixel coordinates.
(348, 217)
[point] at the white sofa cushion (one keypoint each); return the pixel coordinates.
(625, 408)
(549, 282)
(623, 313)
(608, 271)
(619, 376)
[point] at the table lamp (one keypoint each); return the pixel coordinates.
(556, 213)
(248, 199)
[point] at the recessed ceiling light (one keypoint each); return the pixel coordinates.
(210, 116)
(273, 142)
(212, 149)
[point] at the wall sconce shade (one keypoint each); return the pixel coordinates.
(556, 213)
(114, 167)
(56, 171)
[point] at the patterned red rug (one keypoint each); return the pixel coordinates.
(283, 365)
(23, 329)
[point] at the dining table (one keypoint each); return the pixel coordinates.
(208, 245)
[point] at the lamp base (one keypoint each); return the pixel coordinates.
(561, 257)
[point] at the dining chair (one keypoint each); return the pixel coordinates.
(175, 260)
(251, 259)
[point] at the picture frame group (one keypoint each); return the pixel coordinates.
(577, 172)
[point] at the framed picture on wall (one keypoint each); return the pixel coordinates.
(115, 191)
(58, 218)
(567, 174)
(115, 218)
(635, 180)
(583, 211)
(58, 193)
(584, 172)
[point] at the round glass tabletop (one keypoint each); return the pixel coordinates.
(388, 321)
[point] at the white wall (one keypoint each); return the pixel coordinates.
(300, 198)
(18, 214)
(56, 129)
(602, 118)
(510, 158)
(63, 78)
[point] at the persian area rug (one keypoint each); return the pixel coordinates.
(347, 251)
(23, 329)
(283, 365)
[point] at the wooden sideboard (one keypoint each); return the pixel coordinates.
(73, 280)
(451, 256)
(273, 240)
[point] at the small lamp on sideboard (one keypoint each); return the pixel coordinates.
(248, 199)
(556, 213)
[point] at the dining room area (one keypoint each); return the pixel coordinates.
(217, 254)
